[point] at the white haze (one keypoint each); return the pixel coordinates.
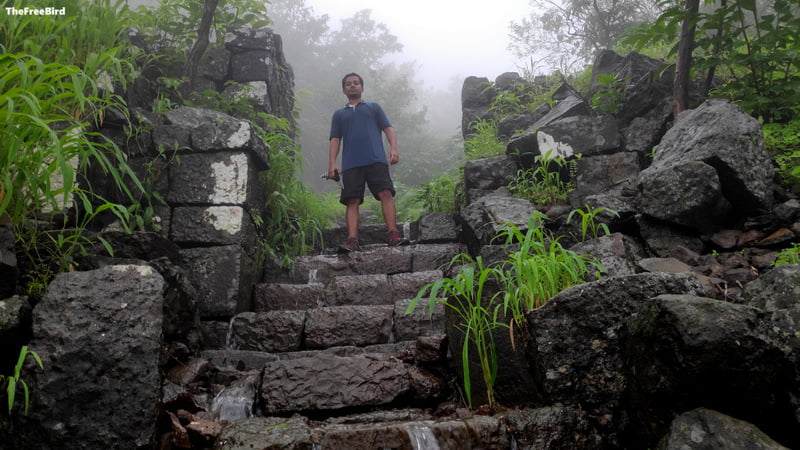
(447, 38)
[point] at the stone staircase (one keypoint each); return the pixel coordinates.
(327, 358)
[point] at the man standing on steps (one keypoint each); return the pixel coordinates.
(357, 129)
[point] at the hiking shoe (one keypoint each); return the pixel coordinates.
(350, 245)
(395, 239)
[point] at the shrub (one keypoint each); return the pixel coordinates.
(540, 269)
(787, 256)
(542, 184)
(484, 143)
(464, 295)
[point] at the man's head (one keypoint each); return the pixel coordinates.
(350, 75)
(353, 86)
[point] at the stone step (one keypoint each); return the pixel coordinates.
(373, 289)
(332, 326)
(399, 430)
(341, 378)
(377, 259)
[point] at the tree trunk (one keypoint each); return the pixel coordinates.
(201, 43)
(683, 63)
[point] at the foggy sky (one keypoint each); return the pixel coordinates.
(446, 38)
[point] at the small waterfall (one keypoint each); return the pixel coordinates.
(407, 230)
(312, 276)
(236, 401)
(229, 344)
(422, 437)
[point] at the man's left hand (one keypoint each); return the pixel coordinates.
(394, 157)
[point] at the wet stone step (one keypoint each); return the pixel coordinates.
(399, 430)
(349, 325)
(377, 260)
(425, 349)
(329, 382)
(334, 326)
(376, 289)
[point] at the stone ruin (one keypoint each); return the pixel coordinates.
(181, 341)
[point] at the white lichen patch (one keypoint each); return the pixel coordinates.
(229, 180)
(556, 149)
(142, 270)
(240, 137)
(227, 219)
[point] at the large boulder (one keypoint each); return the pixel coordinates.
(477, 94)
(488, 174)
(778, 290)
(685, 352)
(706, 428)
(711, 162)
(642, 80)
(574, 338)
(98, 335)
(607, 181)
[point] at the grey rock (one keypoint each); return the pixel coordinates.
(575, 336)
(617, 253)
(360, 290)
(223, 277)
(613, 175)
(273, 331)
(705, 428)
(283, 296)
(553, 427)
(718, 141)
(212, 225)
(407, 285)
(776, 290)
(488, 215)
(489, 174)
(420, 322)
(686, 352)
(662, 238)
(688, 194)
(223, 178)
(98, 335)
(435, 227)
(348, 325)
(266, 433)
(328, 382)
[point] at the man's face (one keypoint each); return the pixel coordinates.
(353, 88)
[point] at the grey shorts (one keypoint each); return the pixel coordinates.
(375, 176)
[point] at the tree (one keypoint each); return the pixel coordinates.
(750, 48)
(563, 33)
(201, 43)
(683, 63)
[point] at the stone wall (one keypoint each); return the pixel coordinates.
(205, 165)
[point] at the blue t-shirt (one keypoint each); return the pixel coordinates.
(360, 129)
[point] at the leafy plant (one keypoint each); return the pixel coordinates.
(9, 382)
(438, 194)
(539, 269)
(782, 140)
(590, 227)
(608, 99)
(477, 312)
(542, 184)
(483, 143)
(789, 255)
(57, 81)
(754, 50)
(295, 218)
